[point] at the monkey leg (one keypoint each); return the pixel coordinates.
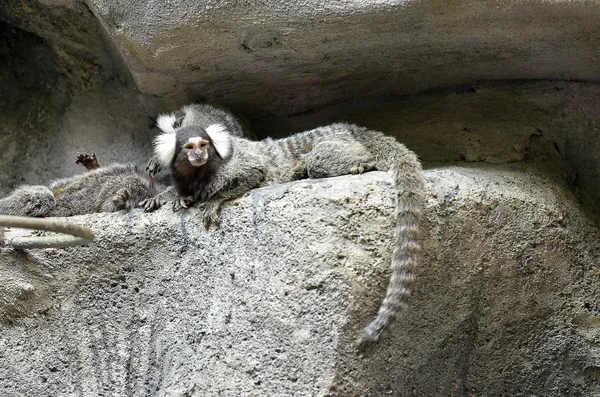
(89, 161)
(334, 158)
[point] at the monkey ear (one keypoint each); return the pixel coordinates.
(167, 122)
(220, 139)
(165, 147)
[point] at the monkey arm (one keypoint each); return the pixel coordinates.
(230, 185)
(89, 161)
(235, 185)
(153, 167)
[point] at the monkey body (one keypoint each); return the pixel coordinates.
(106, 189)
(333, 150)
(235, 165)
(186, 183)
(101, 189)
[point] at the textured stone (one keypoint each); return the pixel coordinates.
(504, 302)
(70, 30)
(289, 56)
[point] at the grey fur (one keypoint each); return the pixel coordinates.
(327, 151)
(101, 189)
(28, 200)
(205, 114)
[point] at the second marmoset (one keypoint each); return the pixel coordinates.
(101, 189)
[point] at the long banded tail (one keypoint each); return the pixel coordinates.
(410, 192)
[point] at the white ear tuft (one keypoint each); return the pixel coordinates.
(220, 139)
(166, 121)
(164, 148)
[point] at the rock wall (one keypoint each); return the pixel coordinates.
(270, 304)
(304, 54)
(500, 100)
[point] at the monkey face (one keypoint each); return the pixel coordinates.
(193, 146)
(196, 150)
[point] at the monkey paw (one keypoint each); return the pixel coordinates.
(362, 167)
(211, 214)
(121, 200)
(153, 166)
(181, 203)
(152, 204)
(89, 161)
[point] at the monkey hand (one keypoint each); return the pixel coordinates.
(153, 167)
(362, 168)
(211, 213)
(121, 199)
(153, 203)
(89, 161)
(181, 203)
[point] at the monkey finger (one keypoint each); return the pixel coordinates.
(210, 219)
(150, 204)
(153, 167)
(211, 215)
(179, 204)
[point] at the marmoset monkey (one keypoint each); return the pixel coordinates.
(210, 165)
(101, 189)
(201, 115)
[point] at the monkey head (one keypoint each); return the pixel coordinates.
(192, 144)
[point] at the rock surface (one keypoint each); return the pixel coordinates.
(505, 301)
(269, 304)
(289, 56)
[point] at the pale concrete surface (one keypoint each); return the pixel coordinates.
(504, 301)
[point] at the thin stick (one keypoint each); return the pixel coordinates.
(78, 235)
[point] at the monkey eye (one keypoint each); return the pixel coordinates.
(203, 144)
(188, 146)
